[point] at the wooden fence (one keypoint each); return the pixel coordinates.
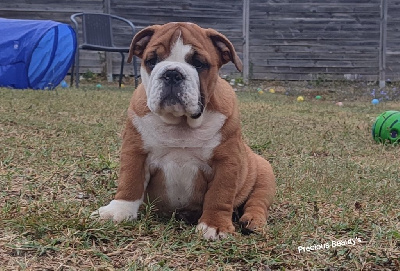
(277, 39)
(305, 40)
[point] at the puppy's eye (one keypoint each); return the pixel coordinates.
(151, 63)
(198, 64)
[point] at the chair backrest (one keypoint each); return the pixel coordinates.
(97, 29)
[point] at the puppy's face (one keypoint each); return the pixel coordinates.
(172, 81)
(179, 69)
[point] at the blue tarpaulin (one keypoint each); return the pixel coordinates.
(35, 54)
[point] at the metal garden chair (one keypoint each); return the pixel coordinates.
(97, 35)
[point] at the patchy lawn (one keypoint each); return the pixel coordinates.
(59, 162)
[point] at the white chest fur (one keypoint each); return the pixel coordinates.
(179, 151)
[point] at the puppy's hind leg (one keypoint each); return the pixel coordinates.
(261, 197)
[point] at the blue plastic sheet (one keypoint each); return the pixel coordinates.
(35, 54)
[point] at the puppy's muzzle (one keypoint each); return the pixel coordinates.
(172, 90)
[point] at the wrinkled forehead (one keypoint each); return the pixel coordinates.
(166, 37)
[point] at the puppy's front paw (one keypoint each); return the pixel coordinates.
(252, 221)
(210, 233)
(118, 210)
(214, 233)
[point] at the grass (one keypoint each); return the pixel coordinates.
(59, 158)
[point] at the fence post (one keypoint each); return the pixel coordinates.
(246, 33)
(382, 44)
(109, 66)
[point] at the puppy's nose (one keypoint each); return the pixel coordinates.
(172, 77)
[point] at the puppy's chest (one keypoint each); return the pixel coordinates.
(180, 152)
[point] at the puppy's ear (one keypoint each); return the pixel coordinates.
(225, 48)
(140, 41)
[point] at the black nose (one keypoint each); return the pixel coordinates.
(172, 77)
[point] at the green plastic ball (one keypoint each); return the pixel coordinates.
(387, 127)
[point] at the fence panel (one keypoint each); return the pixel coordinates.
(307, 39)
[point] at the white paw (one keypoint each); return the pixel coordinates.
(210, 233)
(118, 210)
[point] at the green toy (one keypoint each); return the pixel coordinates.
(387, 127)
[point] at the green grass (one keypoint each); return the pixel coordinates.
(59, 159)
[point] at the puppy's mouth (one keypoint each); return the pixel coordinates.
(177, 108)
(172, 105)
(196, 116)
(173, 100)
(174, 111)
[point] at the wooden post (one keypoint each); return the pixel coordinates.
(246, 38)
(382, 44)
(109, 66)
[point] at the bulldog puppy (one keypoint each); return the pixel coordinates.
(182, 145)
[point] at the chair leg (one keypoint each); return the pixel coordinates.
(77, 68)
(122, 69)
(72, 73)
(135, 72)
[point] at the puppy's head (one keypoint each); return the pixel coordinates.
(179, 68)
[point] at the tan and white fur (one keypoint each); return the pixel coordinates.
(182, 145)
